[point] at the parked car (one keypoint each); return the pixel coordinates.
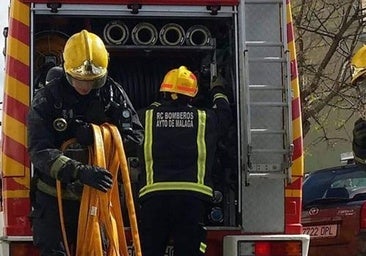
(334, 211)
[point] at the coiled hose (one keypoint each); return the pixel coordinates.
(116, 33)
(144, 33)
(198, 35)
(101, 228)
(172, 34)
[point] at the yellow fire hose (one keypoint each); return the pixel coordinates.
(100, 218)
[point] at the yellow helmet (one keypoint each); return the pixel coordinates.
(181, 81)
(358, 64)
(86, 58)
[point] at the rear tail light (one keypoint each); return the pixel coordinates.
(363, 216)
(271, 248)
(23, 249)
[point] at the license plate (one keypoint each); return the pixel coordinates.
(321, 231)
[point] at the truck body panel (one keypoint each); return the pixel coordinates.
(259, 168)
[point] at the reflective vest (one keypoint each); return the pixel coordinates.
(178, 150)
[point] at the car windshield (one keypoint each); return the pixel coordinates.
(336, 182)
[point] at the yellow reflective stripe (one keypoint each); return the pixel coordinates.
(201, 147)
(148, 147)
(201, 160)
(18, 50)
(187, 186)
(220, 96)
(17, 90)
(156, 104)
(293, 192)
(16, 129)
(13, 167)
(203, 247)
(58, 164)
(20, 12)
(16, 194)
(51, 190)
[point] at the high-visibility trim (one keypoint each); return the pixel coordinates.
(16, 130)
(21, 182)
(18, 183)
(181, 186)
(201, 147)
(20, 12)
(51, 190)
(57, 165)
(14, 168)
(297, 132)
(18, 71)
(179, 88)
(220, 96)
(203, 247)
(293, 193)
(14, 150)
(20, 32)
(296, 108)
(18, 79)
(297, 158)
(201, 160)
(18, 49)
(15, 109)
(148, 147)
(298, 167)
(16, 194)
(156, 104)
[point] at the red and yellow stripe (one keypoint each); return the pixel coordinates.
(15, 164)
(293, 192)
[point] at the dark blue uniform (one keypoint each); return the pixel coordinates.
(177, 157)
(54, 117)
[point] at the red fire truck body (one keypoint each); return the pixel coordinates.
(257, 205)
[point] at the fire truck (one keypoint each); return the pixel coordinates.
(256, 208)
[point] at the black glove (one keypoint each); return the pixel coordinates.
(94, 176)
(83, 133)
(359, 141)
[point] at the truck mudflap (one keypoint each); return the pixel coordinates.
(269, 245)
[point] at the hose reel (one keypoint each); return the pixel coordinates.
(144, 33)
(198, 35)
(172, 34)
(48, 48)
(116, 33)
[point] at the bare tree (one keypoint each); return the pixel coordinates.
(327, 34)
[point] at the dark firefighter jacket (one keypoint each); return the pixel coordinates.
(58, 100)
(179, 146)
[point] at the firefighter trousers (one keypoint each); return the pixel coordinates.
(46, 226)
(172, 220)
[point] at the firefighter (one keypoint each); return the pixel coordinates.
(177, 158)
(358, 67)
(75, 96)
